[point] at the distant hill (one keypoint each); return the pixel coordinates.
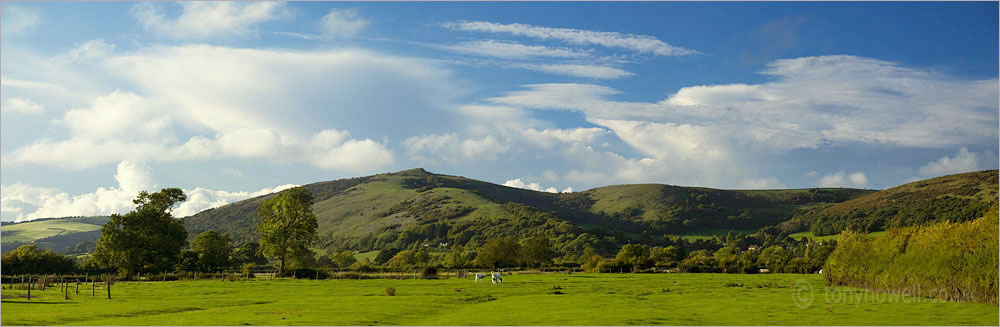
(58, 234)
(955, 198)
(397, 210)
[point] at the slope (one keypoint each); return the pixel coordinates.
(399, 210)
(57, 234)
(955, 198)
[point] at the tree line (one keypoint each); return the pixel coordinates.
(149, 240)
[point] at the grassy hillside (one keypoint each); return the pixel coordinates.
(58, 234)
(398, 210)
(955, 198)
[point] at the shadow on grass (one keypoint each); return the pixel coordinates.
(34, 302)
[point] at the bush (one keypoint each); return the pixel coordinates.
(390, 291)
(953, 261)
(429, 272)
(308, 273)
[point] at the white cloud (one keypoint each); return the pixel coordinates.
(248, 103)
(90, 50)
(23, 105)
(549, 137)
(200, 199)
(762, 183)
(209, 19)
(587, 71)
(813, 101)
(18, 21)
(131, 178)
(963, 162)
(839, 179)
(811, 173)
(343, 23)
(518, 183)
(513, 50)
(639, 43)
(452, 149)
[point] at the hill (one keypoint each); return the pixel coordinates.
(398, 210)
(954, 198)
(58, 234)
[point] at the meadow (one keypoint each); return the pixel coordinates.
(523, 299)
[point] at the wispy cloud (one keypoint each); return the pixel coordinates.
(208, 19)
(510, 50)
(586, 71)
(638, 43)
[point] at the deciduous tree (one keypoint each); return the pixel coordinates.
(287, 225)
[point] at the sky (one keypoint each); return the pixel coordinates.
(230, 100)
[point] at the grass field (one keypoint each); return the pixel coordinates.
(551, 299)
(825, 238)
(711, 233)
(31, 231)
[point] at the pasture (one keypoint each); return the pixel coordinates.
(31, 231)
(523, 299)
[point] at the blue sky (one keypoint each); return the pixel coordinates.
(232, 100)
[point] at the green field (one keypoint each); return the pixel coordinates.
(31, 231)
(810, 235)
(585, 299)
(711, 233)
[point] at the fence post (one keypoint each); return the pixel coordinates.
(78, 286)
(66, 293)
(107, 283)
(29, 288)
(93, 287)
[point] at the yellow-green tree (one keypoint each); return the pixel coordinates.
(287, 225)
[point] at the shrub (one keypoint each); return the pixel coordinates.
(429, 272)
(390, 291)
(953, 261)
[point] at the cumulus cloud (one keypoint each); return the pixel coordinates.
(811, 173)
(200, 199)
(251, 104)
(547, 138)
(766, 183)
(518, 183)
(209, 19)
(963, 162)
(343, 23)
(22, 105)
(840, 179)
(450, 148)
(638, 43)
(25, 202)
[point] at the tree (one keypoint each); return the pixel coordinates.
(148, 238)
(774, 258)
(537, 251)
(458, 257)
(634, 255)
(499, 252)
(287, 225)
(343, 259)
(28, 259)
(249, 253)
(213, 250)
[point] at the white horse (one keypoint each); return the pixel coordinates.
(497, 278)
(479, 277)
